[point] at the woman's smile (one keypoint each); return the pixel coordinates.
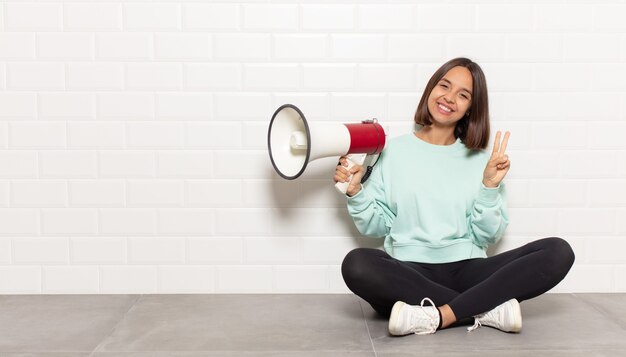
(444, 109)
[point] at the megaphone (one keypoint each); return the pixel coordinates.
(293, 142)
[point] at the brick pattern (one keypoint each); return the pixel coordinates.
(133, 134)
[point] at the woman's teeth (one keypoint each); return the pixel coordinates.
(445, 108)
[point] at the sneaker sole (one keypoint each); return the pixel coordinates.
(393, 319)
(517, 313)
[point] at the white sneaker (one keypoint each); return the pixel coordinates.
(406, 319)
(506, 317)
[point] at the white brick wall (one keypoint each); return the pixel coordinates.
(133, 152)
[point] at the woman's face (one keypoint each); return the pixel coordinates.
(451, 97)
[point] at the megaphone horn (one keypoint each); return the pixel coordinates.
(293, 142)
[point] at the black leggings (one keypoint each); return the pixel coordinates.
(470, 287)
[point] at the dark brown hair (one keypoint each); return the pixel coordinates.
(473, 128)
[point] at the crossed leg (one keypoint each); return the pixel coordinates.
(462, 289)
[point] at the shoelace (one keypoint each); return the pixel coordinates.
(427, 299)
(417, 317)
(477, 322)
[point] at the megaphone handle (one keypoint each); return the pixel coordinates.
(343, 186)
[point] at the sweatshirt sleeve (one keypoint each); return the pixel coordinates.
(368, 209)
(489, 217)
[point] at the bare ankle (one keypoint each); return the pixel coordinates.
(447, 316)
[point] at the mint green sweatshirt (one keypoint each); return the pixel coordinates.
(429, 202)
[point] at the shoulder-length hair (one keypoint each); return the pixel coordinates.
(473, 128)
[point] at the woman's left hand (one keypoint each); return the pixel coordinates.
(498, 164)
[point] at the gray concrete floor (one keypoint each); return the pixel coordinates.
(290, 325)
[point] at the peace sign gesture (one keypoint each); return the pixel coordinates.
(498, 164)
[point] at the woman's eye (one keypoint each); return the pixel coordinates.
(444, 85)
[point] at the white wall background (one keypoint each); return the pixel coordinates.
(132, 134)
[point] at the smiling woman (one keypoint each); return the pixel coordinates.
(456, 98)
(439, 201)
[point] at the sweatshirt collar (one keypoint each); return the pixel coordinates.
(456, 146)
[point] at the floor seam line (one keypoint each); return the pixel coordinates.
(96, 349)
(369, 334)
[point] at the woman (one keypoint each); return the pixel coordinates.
(439, 201)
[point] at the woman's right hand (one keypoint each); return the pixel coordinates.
(342, 174)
